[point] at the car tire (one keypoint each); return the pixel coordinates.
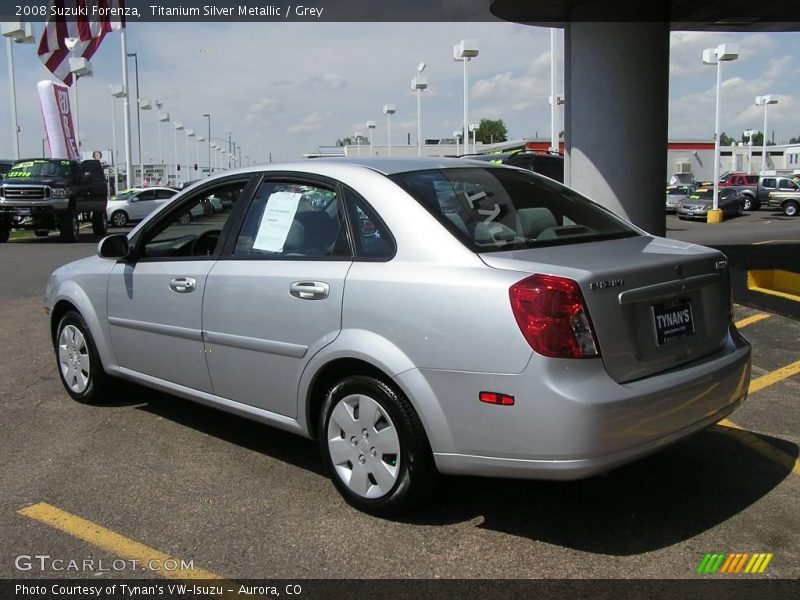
(119, 218)
(391, 473)
(791, 208)
(77, 361)
(99, 223)
(748, 203)
(5, 233)
(185, 218)
(69, 226)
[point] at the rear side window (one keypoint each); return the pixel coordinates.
(497, 209)
(371, 236)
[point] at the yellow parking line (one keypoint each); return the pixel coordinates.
(774, 377)
(756, 443)
(752, 319)
(108, 540)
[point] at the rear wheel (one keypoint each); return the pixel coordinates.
(119, 218)
(791, 208)
(69, 226)
(185, 219)
(374, 447)
(77, 360)
(748, 202)
(99, 223)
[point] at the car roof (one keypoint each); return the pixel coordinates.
(391, 166)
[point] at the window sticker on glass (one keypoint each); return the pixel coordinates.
(276, 221)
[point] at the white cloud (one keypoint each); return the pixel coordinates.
(326, 82)
(312, 122)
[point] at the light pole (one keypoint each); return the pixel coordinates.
(370, 128)
(162, 118)
(189, 134)
(20, 33)
(464, 51)
(473, 128)
(117, 91)
(555, 99)
(208, 116)
(419, 83)
(138, 114)
(765, 101)
(178, 127)
(198, 139)
(389, 110)
(157, 110)
(749, 133)
(457, 134)
(357, 135)
(142, 104)
(126, 108)
(716, 56)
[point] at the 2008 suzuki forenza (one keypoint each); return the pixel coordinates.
(416, 317)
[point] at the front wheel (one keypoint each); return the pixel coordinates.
(185, 218)
(748, 203)
(77, 360)
(791, 208)
(374, 447)
(69, 226)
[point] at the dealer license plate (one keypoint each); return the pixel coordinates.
(673, 321)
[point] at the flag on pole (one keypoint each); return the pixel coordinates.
(95, 18)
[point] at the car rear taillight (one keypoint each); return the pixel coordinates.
(553, 317)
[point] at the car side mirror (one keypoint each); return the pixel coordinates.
(114, 246)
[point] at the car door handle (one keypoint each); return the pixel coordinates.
(183, 285)
(309, 290)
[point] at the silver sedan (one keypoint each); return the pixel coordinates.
(416, 317)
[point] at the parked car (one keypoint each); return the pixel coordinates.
(136, 204)
(43, 194)
(489, 321)
(549, 165)
(730, 179)
(730, 202)
(787, 202)
(758, 194)
(677, 193)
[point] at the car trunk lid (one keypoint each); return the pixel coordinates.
(654, 303)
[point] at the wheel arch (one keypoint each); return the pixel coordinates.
(75, 299)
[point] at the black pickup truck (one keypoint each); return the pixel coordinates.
(43, 194)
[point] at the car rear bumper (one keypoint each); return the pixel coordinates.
(571, 420)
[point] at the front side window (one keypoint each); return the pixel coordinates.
(293, 220)
(195, 229)
(497, 209)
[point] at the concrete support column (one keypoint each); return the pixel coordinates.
(616, 78)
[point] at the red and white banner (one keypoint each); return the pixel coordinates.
(92, 21)
(58, 127)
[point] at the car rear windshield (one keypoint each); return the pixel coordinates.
(499, 209)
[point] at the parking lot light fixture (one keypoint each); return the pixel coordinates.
(20, 33)
(716, 56)
(457, 134)
(370, 128)
(765, 101)
(419, 83)
(117, 91)
(473, 128)
(749, 133)
(389, 110)
(178, 127)
(464, 51)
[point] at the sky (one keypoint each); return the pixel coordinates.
(287, 88)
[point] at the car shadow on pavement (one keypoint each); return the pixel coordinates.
(280, 445)
(653, 503)
(661, 500)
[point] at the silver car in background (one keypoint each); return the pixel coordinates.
(676, 194)
(416, 317)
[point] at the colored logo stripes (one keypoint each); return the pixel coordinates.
(734, 563)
